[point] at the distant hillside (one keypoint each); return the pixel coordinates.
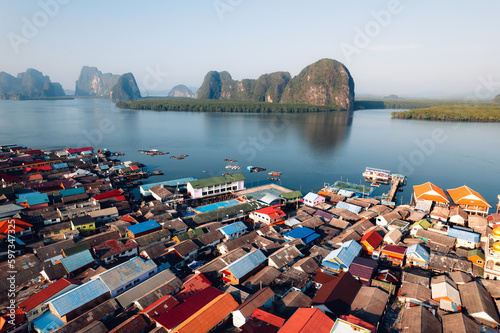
(92, 82)
(181, 91)
(325, 83)
(496, 100)
(125, 89)
(31, 84)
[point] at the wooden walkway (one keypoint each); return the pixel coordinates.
(395, 183)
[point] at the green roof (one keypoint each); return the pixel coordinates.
(217, 180)
(475, 252)
(182, 237)
(291, 195)
(221, 213)
(77, 248)
(423, 223)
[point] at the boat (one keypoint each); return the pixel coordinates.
(255, 169)
(374, 174)
(273, 179)
(375, 184)
(275, 173)
(152, 152)
(230, 160)
(157, 173)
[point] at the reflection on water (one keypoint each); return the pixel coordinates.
(309, 149)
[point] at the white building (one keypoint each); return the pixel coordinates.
(207, 187)
(313, 199)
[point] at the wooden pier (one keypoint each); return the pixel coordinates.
(396, 182)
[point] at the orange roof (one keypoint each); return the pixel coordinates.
(465, 196)
(209, 316)
(267, 317)
(308, 320)
(18, 224)
(429, 191)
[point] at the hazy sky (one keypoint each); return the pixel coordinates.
(401, 47)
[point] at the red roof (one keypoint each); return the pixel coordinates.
(135, 323)
(373, 238)
(109, 194)
(273, 212)
(308, 320)
(38, 151)
(356, 321)
(127, 218)
(183, 311)
(78, 150)
(8, 178)
(47, 293)
(47, 167)
(395, 249)
(26, 170)
(18, 226)
(387, 276)
(267, 317)
(193, 283)
(164, 304)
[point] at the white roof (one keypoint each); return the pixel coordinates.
(245, 264)
(444, 289)
(311, 196)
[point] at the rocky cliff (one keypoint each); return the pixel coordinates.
(92, 82)
(31, 84)
(181, 91)
(125, 89)
(326, 82)
(496, 100)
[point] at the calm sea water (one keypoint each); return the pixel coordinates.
(310, 149)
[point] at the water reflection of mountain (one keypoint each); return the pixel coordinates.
(324, 131)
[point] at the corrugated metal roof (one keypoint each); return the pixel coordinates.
(128, 271)
(143, 227)
(299, 232)
(419, 251)
(463, 235)
(78, 296)
(72, 191)
(311, 196)
(33, 198)
(350, 207)
(77, 260)
(245, 264)
(233, 228)
(47, 322)
(344, 255)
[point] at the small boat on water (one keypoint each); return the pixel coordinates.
(230, 160)
(273, 179)
(255, 169)
(375, 184)
(275, 173)
(157, 173)
(227, 173)
(152, 152)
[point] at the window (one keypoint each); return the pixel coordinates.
(119, 290)
(480, 262)
(151, 273)
(128, 286)
(137, 281)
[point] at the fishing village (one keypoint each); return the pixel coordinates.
(90, 243)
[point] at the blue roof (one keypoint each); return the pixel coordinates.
(77, 260)
(143, 227)
(181, 182)
(419, 251)
(103, 167)
(48, 322)
(464, 235)
(233, 228)
(299, 232)
(60, 165)
(350, 207)
(78, 296)
(245, 264)
(310, 238)
(33, 198)
(72, 191)
(344, 255)
(118, 167)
